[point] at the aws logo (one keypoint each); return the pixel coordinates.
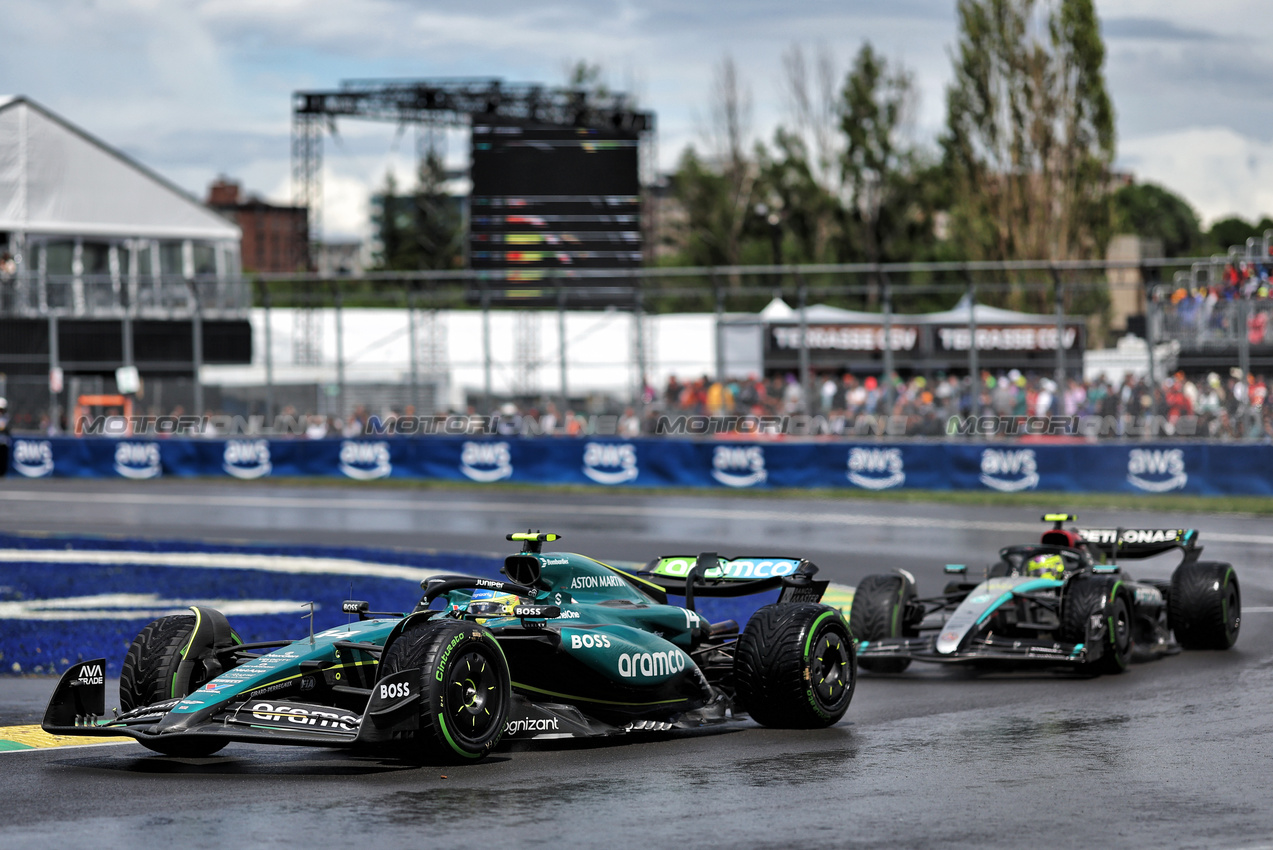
(246, 459)
(876, 469)
(138, 460)
(1009, 471)
(1157, 470)
(33, 458)
(739, 466)
(486, 462)
(610, 463)
(365, 461)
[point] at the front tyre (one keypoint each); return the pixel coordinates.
(150, 675)
(1107, 598)
(879, 611)
(467, 688)
(1205, 605)
(795, 666)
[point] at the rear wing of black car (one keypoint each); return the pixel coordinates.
(1133, 543)
(708, 574)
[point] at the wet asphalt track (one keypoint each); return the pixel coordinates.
(1174, 753)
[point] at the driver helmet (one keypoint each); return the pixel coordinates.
(1045, 566)
(488, 603)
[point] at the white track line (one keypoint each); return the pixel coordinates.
(362, 503)
(218, 560)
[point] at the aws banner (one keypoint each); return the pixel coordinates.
(1199, 468)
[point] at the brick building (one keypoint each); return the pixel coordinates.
(275, 238)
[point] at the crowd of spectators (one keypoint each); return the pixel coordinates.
(1209, 406)
(1202, 312)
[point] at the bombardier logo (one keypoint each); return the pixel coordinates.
(876, 469)
(1008, 470)
(486, 462)
(610, 463)
(246, 459)
(365, 461)
(739, 466)
(33, 458)
(138, 460)
(651, 665)
(1157, 470)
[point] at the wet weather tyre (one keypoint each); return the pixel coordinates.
(467, 688)
(149, 675)
(1205, 605)
(879, 611)
(795, 666)
(1107, 596)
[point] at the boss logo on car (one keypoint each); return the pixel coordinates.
(395, 690)
(585, 641)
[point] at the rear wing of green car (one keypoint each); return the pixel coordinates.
(708, 574)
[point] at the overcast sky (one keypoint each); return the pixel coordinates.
(196, 88)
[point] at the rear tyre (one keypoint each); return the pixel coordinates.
(149, 675)
(879, 611)
(795, 666)
(466, 693)
(1107, 596)
(1205, 605)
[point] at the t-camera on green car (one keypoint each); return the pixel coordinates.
(1065, 601)
(565, 647)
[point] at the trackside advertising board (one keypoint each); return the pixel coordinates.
(1127, 467)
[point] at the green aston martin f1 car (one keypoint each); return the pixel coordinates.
(566, 646)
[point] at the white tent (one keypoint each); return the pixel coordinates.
(57, 179)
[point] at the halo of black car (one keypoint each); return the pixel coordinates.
(1086, 615)
(565, 647)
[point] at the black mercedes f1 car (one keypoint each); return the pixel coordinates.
(1065, 601)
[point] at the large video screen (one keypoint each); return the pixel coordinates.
(551, 204)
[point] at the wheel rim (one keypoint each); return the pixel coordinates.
(473, 702)
(1232, 610)
(830, 670)
(1122, 630)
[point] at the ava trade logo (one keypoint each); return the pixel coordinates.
(1009, 470)
(610, 463)
(138, 460)
(739, 466)
(365, 461)
(247, 459)
(876, 469)
(33, 458)
(1146, 469)
(486, 462)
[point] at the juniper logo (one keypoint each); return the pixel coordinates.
(1157, 470)
(739, 466)
(365, 461)
(33, 458)
(486, 462)
(610, 463)
(1009, 470)
(246, 459)
(876, 469)
(138, 460)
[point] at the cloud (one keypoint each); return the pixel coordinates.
(1221, 172)
(1152, 29)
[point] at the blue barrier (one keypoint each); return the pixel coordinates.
(1198, 468)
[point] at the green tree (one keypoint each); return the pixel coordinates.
(1233, 231)
(419, 231)
(878, 162)
(1030, 130)
(1148, 210)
